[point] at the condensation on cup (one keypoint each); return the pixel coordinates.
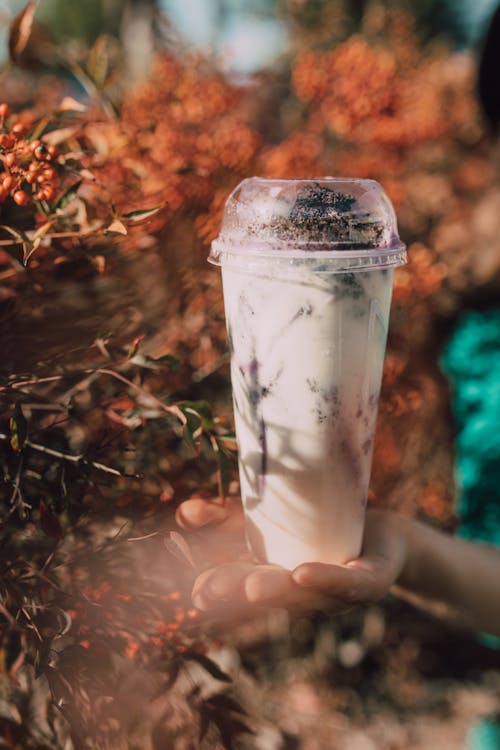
(307, 271)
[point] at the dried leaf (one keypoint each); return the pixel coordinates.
(204, 723)
(69, 104)
(65, 620)
(208, 665)
(9, 712)
(18, 429)
(20, 30)
(134, 347)
(226, 703)
(55, 137)
(117, 226)
(178, 547)
(41, 232)
(98, 62)
(23, 239)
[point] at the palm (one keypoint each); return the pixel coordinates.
(219, 539)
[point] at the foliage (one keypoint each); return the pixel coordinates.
(107, 423)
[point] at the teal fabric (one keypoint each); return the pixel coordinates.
(471, 360)
(484, 735)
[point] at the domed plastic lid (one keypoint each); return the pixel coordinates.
(327, 217)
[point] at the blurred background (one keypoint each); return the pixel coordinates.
(246, 38)
(156, 110)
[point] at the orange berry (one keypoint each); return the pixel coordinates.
(10, 159)
(53, 151)
(21, 198)
(49, 173)
(7, 182)
(48, 192)
(7, 141)
(19, 129)
(4, 110)
(41, 152)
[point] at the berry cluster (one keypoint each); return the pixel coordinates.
(29, 166)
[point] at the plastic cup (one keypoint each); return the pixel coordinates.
(307, 270)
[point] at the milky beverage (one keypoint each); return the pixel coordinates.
(307, 270)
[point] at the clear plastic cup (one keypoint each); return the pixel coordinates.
(307, 270)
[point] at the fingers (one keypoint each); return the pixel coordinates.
(363, 580)
(235, 589)
(197, 512)
(242, 583)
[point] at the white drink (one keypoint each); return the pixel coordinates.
(307, 342)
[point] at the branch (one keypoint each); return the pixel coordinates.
(67, 457)
(169, 409)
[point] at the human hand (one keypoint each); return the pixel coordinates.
(239, 582)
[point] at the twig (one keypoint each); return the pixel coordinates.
(74, 459)
(33, 381)
(142, 538)
(32, 624)
(5, 612)
(16, 499)
(169, 409)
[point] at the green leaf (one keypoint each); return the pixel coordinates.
(193, 429)
(18, 429)
(68, 195)
(137, 217)
(167, 359)
(202, 409)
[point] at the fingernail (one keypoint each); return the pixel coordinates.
(302, 576)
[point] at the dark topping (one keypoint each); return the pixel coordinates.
(323, 215)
